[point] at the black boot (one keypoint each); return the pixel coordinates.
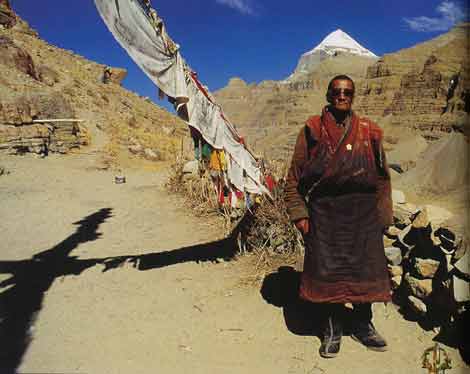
(331, 336)
(364, 331)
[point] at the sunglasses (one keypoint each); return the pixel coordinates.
(347, 92)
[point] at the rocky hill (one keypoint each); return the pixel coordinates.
(40, 83)
(425, 88)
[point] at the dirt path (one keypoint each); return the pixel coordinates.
(103, 278)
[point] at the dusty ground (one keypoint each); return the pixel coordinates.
(103, 278)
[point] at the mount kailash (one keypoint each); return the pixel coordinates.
(335, 44)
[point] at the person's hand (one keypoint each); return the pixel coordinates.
(303, 225)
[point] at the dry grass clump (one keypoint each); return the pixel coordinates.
(271, 229)
(271, 237)
(199, 192)
(175, 183)
(264, 231)
(109, 158)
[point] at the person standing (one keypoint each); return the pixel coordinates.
(338, 194)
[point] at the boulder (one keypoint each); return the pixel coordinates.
(461, 248)
(461, 289)
(421, 219)
(114, 75)
(463, 264)
(388, 242)
(191, 167)
(421, 288)
(395, 270)
(135, 148)
(16, 58)
(398, 197)
(393, 255)
(18, 112)
(435, 239)
(446, 238)
(417, 305)
(403, 212)
(47, 75)
(426, 268)
(7, 16)
(151, 155)
(393, 231)
(395, 175)
(404, 237)
(396, 282)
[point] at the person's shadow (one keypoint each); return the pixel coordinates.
(281, 289)
(22, 294)
(302, 317)
(28, 280)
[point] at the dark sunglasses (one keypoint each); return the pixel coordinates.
(336, 92)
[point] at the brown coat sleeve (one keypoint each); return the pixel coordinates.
(384, 186)
(295, 202)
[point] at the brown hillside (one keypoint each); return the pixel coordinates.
(414, 85)
(40, 81)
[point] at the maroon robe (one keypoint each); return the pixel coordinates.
(343, 181)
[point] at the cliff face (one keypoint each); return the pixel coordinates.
(40, 82)
(425, 88)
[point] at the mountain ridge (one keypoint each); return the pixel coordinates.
(405, 89)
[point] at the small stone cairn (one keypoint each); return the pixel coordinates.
(428, 263)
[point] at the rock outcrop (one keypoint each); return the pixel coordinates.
(53, 100)
(7, 16)
(424, 267)
(425, 87)
(13, 56)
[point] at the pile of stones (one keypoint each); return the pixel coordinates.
(428, 263)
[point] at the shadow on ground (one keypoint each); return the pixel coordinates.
(23, 293)
(452, 331)
(281, 289)
(30, 279)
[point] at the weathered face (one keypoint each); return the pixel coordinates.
(342, 94)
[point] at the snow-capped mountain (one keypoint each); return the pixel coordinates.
(337, 43)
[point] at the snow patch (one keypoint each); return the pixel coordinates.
(339, 41)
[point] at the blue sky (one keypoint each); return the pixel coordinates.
(252, 39)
